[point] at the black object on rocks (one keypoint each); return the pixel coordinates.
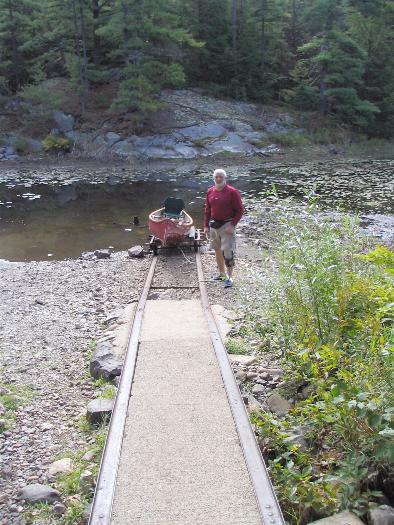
(102, 254)
(99, 409)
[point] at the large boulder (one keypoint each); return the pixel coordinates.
(99, 410)
(105, 363)
(64, 122)
(382, 515)
(342, 518)
(124, 148)
(111, 138)
(233, 143)
(278, 404)
(203, 131)
(37, 493)
(136, 252)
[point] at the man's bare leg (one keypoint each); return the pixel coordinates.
(220, 261)
(230, 270)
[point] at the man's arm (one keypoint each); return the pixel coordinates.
(238, 207)
(207, 212)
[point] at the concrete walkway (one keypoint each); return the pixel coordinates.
(181, 461)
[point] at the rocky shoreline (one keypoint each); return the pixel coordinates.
(51, 315)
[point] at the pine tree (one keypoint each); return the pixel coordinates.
(15, 31)
(146, 37)
(371, 26)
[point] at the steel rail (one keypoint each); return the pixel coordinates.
(269, 508)
(106, 483)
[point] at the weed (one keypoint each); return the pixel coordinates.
(332, 309)
(235, 346)
(53, 143)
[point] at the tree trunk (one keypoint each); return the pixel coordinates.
(96, 41)
(78, 52)
(323, 102)
(234, 28)
(125, 33)
(14, 48)
(84, 52)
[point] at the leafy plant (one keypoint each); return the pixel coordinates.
(53, 143)
(332, 308)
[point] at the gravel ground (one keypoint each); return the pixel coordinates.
(49, 315)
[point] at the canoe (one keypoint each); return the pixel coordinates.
(170, 230)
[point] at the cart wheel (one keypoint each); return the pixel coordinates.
(155, 249)
(195, 245)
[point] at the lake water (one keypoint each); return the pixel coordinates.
(58, 214)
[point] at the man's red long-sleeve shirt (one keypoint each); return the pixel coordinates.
(222, 205)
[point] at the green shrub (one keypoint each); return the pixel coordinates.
(21, 145)
(332, 308)
(45, 94)
(235, 346)
(53, 143)
(288, 138)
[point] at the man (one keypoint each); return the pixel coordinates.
(223, 210)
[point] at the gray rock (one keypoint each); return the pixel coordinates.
(37, 493)
(111, 138)
(233, 143)
(241, 376)
(87, 255)
(124, 148)
(65, 122)
(102, 254)
(297, 437)
(252, 404)
(99, 409)
(87, 511)
(241, 127)
(86, 482)
(185, 151)
(136, 252)
(271, 371)
(105, 363)
(258, 389)
(203, 131)
(278, 404)
(59, 508)
(276, 127)
(343, 518)
(62, 466)
(89, 456)
(382, 515)
(245, 360)
(2, 409)
(252, 136)
(34, 145)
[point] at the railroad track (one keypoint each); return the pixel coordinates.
(267, 504)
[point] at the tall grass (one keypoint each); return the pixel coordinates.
(332, 312)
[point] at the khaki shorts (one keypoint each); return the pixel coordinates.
(219, 239)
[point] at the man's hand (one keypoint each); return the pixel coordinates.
(206, 230)
(230, 228)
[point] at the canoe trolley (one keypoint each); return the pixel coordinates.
(171, 226)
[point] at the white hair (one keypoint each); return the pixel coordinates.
(221, 172)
